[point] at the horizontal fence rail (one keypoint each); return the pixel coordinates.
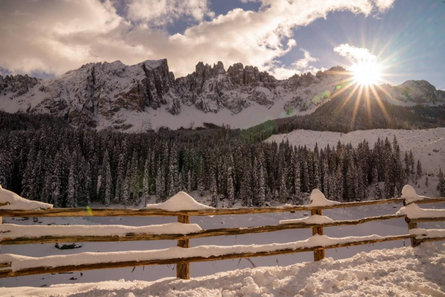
(183, 270)
(204, 233)
(47, 269)
(100, 212)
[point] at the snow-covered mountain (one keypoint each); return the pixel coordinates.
(147, 95)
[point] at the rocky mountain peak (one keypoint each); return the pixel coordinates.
(16, 85)
(246, 75)
(417, 92)
(114, 95)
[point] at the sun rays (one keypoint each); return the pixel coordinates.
(363, 80)
(366, 73)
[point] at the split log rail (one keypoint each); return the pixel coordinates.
(183, 264)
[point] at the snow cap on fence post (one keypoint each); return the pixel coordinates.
(318, 199)
(409, 194)
(10, 200)
(179, 201)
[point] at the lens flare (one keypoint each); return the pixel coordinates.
(366, 73)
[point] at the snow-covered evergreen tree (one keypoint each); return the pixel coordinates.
(441, 183)
(230, 186)
(297, 181)
(71, 199)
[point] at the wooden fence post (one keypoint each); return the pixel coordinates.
(183, 268)
(318, 253)
(412, 225)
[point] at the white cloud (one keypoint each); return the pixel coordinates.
(383, 5)
(300, 66)
(56, 36)
(355, 54)
(38, 35)
(305, 61)
(162, 12)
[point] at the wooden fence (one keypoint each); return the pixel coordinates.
(183, 268)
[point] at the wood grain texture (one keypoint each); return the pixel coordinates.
(204, 233)
(61, 268)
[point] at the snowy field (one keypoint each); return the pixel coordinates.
(388, 272)
(427, 145)
(151, 273)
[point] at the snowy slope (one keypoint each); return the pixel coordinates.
(394, 272)
(427, 145)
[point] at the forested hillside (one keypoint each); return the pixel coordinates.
(74, 167)
(345, 114)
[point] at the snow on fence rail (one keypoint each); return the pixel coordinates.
(183, 231)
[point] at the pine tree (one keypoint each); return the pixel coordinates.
(29, 179)
(230, 187)
(134, 178)
(261, 186)
(146, 180)
(407, 165)
(5, 168)
(81, 182)
(58, 190)
(126, 191)
(418, 170)
(245, 191)
(213, 187)
(377, 191)
(160, 184)
(317, 180)
(441, 184)
(297, 181)
(71, 200)
(339, 184)
(173, 172)
(389, 186)
(351, 182)
(189, 181)
(305, 173)
(121, 174)
(375, 175)
(108, 195)
(200, 176)
(411, 162)
(283, 192)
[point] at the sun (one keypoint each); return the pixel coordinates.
(366, 73)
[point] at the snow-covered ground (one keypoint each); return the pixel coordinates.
(427, 145)
(150, 273)
(389, 272)
(398, 271)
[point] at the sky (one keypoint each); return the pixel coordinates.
(46, 38)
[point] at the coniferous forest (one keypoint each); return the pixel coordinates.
(75, 167)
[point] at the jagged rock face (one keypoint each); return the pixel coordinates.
(108, 91)
(114, 95)
(16, 85)
(212, 88)
(105, 88)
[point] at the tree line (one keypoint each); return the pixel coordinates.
(75, 167)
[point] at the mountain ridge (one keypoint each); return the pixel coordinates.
(147, 95)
